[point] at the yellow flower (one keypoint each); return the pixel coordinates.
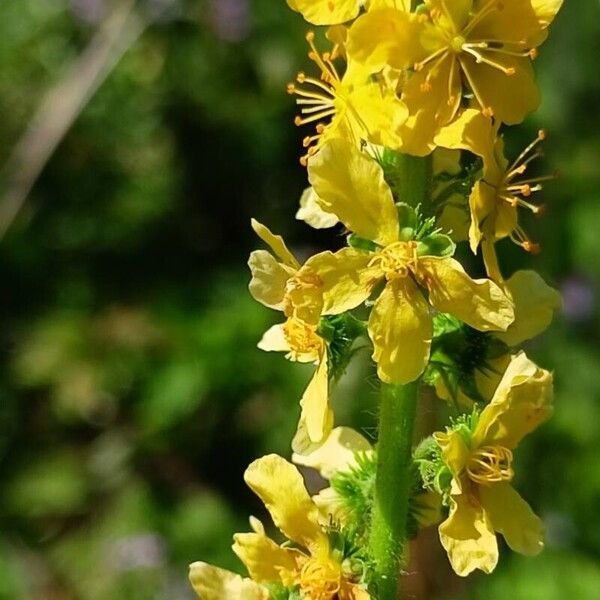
(357, 107)
(497, 196)
(534, 303)
(482, 501)
(483, 47)
(339, 455)
(311, 565)
(351, 186)
(302, 343)
(304, 291)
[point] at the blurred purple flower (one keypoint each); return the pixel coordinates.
(88, 11)
(230, 19)
(143, 551)
(579, 299)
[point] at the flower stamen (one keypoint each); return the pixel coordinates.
(490, 464)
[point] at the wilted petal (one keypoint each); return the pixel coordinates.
(468, 538)
(511, 516)
(522, 402)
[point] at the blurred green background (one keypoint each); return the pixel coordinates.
(132, 395)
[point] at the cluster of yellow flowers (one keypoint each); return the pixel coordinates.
(424, 85)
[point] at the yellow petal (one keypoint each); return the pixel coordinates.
(478, 302)
(315, 404)
(350, 185)
(433, 98)
(384, 37)
(400, 328)
(522, 402)
(262, 557)
(311, 213)
(269, 279)
(338, 453)
(517, 21)
(380, 115)
(511, 97)
(281, 488)
(212, 583)
(273, 340)
(276, 243)
(346, 279)
(511, 516)
(457, 11)
(546, 10)
(535, 302)
(472, 131)
(468, 538)
(325, 12)
(455, 451)
(482, 204)
(397, 4)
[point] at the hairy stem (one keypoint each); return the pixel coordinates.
(393, 484)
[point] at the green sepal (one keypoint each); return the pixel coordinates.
(408, 220)
(358, 243)
(279, 592)
(340, 332)
(436, 244)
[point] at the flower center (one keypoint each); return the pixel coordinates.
(490, 464)
(301, 338)
(457, 43)
(317, 97)
(397, 259)
(320, 579)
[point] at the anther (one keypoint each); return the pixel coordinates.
(530, 247)
(310, 36)
(301, 77)
(488, 112)
(291, 88)
(533, 53)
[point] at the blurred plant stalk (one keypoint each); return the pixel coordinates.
(63, 103)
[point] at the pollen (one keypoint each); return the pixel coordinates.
(490, 464)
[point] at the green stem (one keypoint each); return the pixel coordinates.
(393, 485)
(393, 480)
